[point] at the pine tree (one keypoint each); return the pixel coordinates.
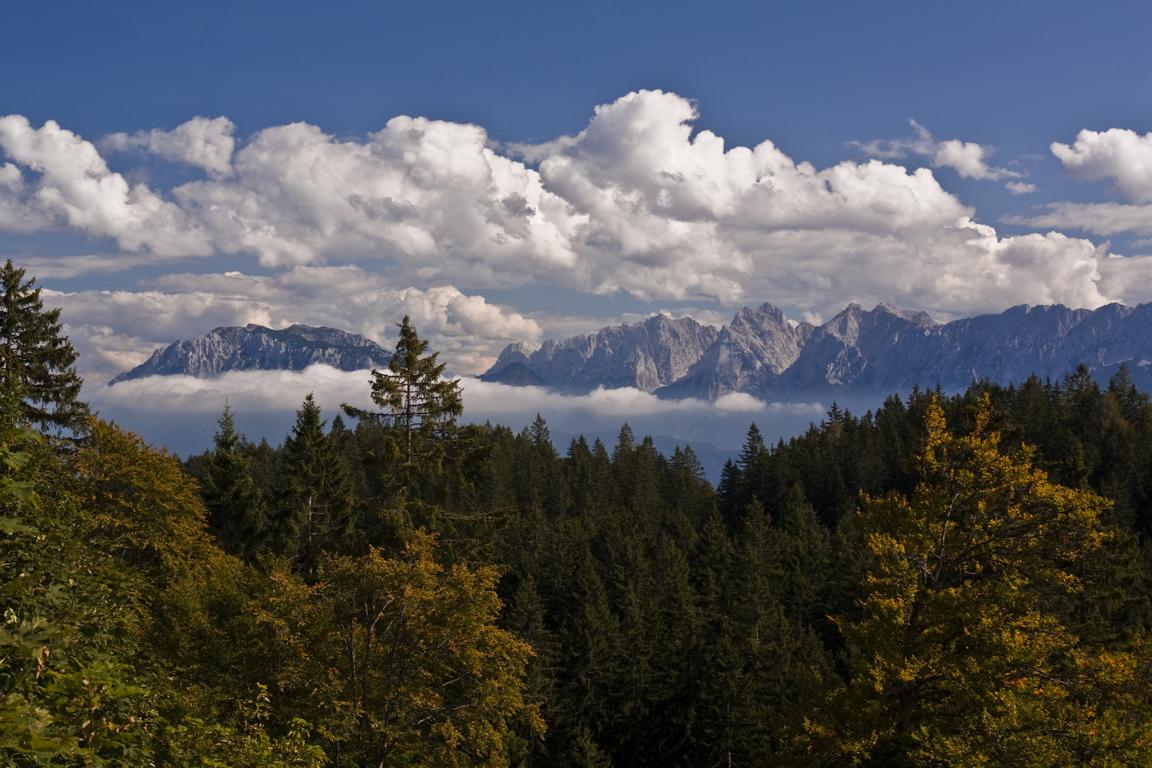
(800, 558)
(314, 508)
(728, 491)
(33, 350)
(235, 513)
(416, 399)
(752, 478)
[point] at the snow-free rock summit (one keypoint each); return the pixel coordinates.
(859, 351)
(256, 348)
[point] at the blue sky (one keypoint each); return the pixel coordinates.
(217, 163)
(1019, 74)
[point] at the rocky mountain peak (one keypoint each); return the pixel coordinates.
(883, 349)
(255, 347)
(645, 355)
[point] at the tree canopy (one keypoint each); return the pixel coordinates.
(951, 580)
(36, 355)
(960, 654)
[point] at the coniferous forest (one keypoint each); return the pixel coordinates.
(951, 580)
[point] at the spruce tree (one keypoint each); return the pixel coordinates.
(235, 514)
(314, 507)
(417, 401)
(34, 352)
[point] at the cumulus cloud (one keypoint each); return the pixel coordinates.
(1098, 218)
(1020, 187)
(202, 142)
(76, 187)
(1127, 278)
(427, 195)
(967, 158)
(639, 201)
(16, 215)
(1119, 155)
(115, 330)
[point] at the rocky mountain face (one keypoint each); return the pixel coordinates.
(864, 349)
(646, 355)
(256, 348)
(749, 355)
(859, 351)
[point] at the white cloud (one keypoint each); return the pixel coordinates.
(244, 390)
(426, 195)
(1121, 156)
(284, 390)
(1020, 187)
(447, 309)
(76, 187)
(1117, 154)
(739, 402)
(1126, 278)
(16, 215)
(967, 158)
(1097, 218)
(672, 214)
(51, 267)
(201, 142)
(180, 411)
(116, 330)
(636, 202)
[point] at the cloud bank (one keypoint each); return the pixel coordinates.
(284, 391)
(640, 201)
(181, 411)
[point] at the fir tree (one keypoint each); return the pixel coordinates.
(235, 513)
(34, 351)
(416, 399)
(315, 503)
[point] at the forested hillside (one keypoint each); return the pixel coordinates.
(953, 581)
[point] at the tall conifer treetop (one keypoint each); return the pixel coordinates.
(34, 353)
(235, 513)
(416, 399)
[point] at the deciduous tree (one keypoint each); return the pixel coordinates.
(958, 657)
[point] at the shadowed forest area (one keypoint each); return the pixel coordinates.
(950, 580)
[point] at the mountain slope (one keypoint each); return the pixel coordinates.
(644, 355)
(858, 351)
(256, 348)
(749, 355)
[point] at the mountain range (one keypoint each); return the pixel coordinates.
(760, 352)
(254, 347)
(763, 353)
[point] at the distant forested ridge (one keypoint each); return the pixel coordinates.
(950, 580)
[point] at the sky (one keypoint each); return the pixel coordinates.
(512, 171)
